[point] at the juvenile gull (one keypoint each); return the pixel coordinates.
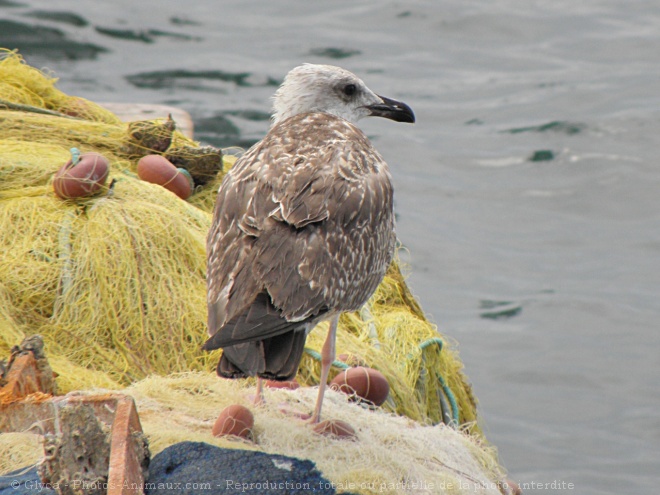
(303, 227)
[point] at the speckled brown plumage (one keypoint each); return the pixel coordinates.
(307, 221)
(303, 227)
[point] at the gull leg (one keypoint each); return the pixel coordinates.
(259, 397)
(327, 358)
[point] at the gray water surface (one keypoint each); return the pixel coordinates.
(527, 194)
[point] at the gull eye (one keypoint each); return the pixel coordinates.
(349, 89)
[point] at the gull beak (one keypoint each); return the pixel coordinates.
(393, 110)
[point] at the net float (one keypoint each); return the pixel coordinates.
(363, 384)
(159, 170)
(83, 175)
(236, 420)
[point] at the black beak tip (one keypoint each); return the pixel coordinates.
(393, 110)
(407, 114)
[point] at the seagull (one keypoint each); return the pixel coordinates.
(303, 227)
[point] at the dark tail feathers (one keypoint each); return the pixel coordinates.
(275, 358)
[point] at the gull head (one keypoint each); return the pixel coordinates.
(333, 90)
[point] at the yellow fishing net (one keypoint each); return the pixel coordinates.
(115, 283)
(22, 86)
(392, 455)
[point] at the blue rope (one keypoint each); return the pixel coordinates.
(75, 156)
(427, 343)
(450, 397)
(433, 340)
(317, 356)
(445, 388)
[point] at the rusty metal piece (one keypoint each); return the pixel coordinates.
(129, 451)
(27, 372)
(77, 453)
(22, 379)
(77, 428)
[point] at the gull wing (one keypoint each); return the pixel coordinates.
(304, 222)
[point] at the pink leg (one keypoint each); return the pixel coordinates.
(259, 398)
(327, 358)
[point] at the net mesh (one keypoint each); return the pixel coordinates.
(115, 283)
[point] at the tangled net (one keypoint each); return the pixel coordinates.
(115, 283)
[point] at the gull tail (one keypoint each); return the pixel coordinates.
(275, 358)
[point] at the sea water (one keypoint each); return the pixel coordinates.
(527, 193)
